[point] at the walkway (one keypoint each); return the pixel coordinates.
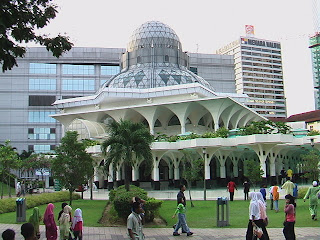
(119, 233)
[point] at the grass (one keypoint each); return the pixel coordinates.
(91, 211)
(203, 215)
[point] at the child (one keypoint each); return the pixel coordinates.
(181, 210)
(290, 218)
(77, 224)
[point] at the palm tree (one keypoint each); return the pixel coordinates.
(128, 142)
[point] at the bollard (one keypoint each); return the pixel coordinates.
(222, 212)
(21, 209)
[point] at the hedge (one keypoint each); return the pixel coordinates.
(122, 202)
(9, 204)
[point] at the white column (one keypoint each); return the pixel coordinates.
(235, 169)
(176, 173)
(170, 172)
(118, 175)
(155, 173)
(223, 171)
(110, 173)
(135, 173)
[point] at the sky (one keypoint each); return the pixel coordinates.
(203, 26)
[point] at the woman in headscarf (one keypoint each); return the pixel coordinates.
(64, 223)
(312, 194)
(263, 214)
(77, 224)
(254, 217)
(35, 221)
(48, 220)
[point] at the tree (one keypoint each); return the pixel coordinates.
(265, 127)
(19, 21)
(193, 169)
(310, 165)
(39, 162)
(127, 143)
(72, 166)
(8, 161)
(253, 171)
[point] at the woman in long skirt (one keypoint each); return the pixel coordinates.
(48, 220)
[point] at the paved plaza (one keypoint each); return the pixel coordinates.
(119, 233)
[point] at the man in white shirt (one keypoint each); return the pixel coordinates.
(134, 223)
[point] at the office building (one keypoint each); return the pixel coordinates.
(258, 73)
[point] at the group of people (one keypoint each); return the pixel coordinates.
(258, 219)
(70, 227)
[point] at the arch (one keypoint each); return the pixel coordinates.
(87, 129)
(214, 168)
(163, 170)
(174, 121)
(142, 170)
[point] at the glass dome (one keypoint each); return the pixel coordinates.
(154, 58)
(153, 33)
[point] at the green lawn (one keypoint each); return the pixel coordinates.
(203, 215)
(91, 211)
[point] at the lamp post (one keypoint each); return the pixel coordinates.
(204, 176)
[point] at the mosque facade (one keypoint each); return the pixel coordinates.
(156, 87)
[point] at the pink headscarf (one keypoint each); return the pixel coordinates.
(48, 212)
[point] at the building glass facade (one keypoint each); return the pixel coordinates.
(258, 73)
(314, 45)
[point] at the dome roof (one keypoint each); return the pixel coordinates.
(153, 32)
(154, 58)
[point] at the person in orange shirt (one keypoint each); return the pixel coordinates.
(275, 195)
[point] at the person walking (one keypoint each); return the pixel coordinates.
(180, 195)
(77, 224)
(48, 220)
(246, 189)
(134, 223)
(290, 218)
(64, 223)
(271, 197)
(288, 186)
(289, 173)
(312, 194)
(283, 175)
(62, 207)
(182, 222)
(275, 197)
(254, 218)
(18, 189)
(263, 214)
(230, 188)
(35, 219)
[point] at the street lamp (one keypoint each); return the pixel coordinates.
(204, 176)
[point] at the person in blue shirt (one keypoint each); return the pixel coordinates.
(264, 192)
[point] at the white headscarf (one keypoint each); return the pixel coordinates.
(314, 183)
(262, 205)
(77, 217)
(254, 206)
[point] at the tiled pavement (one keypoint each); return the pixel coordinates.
(119, 233)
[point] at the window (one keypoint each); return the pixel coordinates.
(174, 121)
(36, 100)
(78, 84)
(166, 58)
(41, 148)
(42, 84)
(138, 59)
(42, 133)
(194, 70)
(41, 117)
(42, 68)
(110, 70)
(78, 69)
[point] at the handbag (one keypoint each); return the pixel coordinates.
(257, 231)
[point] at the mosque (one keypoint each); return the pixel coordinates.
(155, 87)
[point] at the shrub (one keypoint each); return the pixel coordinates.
(222, 132)
(208, 135)
(152, 207)
(313, 133)
(122, 199)
(9, 204)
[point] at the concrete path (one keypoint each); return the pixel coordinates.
(119, 233)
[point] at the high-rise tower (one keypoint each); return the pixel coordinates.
(258, 73)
